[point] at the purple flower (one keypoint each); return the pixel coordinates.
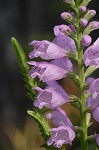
(46, 50)
(83, 22)
(55, 70)
(64, 41)
(91, 55)
(93, 101)
(52, 96)
(94, 88)
(61, 135)
(57, 32)
(86, 40)
(89, 80)
(95, 112)
(97, 139)
(59, 47)
(59, 118)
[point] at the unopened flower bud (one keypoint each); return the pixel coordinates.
(66, 16)
(70, 2)
(83, 22)
(72, 28)
(83, 9)
(86, 40)
(90, 14)
(92, 26)
(65, 29)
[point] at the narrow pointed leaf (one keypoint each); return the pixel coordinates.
(24, 68)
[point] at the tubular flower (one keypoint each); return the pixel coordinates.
(46, 50)
(59, 118)
(55, 70)
(52, 96)
(61, 135)
(64, 41)
(91, 55)
(55, 49)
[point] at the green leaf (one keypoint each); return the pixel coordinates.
(24, 68)
(90, 70)
(43, 125)
(44, 128)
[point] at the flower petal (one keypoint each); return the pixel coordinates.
(95, 114)
(52, 96)
(61, 135)
(91, 55)
(59, 118)
(65, 42)
(57, 31)
(47, 50)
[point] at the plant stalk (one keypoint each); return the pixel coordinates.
(83, 115)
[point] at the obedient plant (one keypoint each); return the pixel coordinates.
(41, 78)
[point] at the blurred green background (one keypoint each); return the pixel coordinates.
(26, 21)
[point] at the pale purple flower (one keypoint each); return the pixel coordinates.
(46, 50)
(89, 101)
(93, 101)
(52, 96)
(83, 9)
(97, 139)
(86, 40)
(64, 41)
(83, 22)
(94, 88)
(59, 47)
(95, 113)
(61, 135)
(59, 118)
(89, 80)
(91, 55)
(57, 32)
(55, 70)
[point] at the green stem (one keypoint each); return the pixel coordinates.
(84, 143)
(83, 115)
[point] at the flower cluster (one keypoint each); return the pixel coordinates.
(54, 96)
(56, 65)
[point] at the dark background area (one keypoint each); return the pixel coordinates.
(26, 21)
